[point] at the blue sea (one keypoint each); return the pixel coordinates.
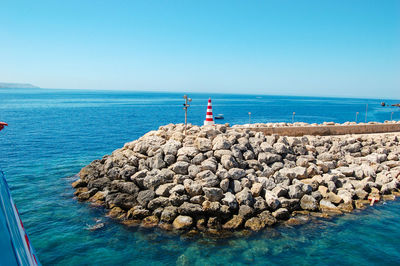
(52, 134)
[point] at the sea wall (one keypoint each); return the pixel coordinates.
(327, 129)
(219, 178)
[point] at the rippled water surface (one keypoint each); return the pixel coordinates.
(52, 134)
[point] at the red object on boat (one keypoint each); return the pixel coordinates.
(2, 125)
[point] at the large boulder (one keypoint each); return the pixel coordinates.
(213, 194)
(203, 144)
(308, 203)
(228, 162)
(180, 167)
(236, 173)
(269, 158)
(244, 197)
(208, 179)
(190, 209)
(230, 201)
(145, 196)
(169, 214)
(234, 223)
(272, 200)
(254, 224)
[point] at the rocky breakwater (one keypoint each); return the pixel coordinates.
(218, 178)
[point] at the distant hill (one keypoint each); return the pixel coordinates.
(4, 85)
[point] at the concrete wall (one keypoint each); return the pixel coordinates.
(328, 130)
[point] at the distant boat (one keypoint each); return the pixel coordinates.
(219, 116)
(397, 104)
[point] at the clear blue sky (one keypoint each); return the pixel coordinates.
(329, 48)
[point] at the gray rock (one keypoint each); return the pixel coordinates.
(153, 180)
(208, 179)
(236, 173)
(213, 194)
(209, 164)
(139, 175)
(280, 191)
(193, 188)
(281, 148)
(158, 202)
(266, 147)
(325, 157)
(188, 151)
(272, 200)
(260, 204)
(180, 167)
(383, 178)
(127, 187)
(331, 186)
(268, 183)
(295, 191)
(220, 143)
(163, 190)
(99, 183)
(290, 204)
(345, 195)
(219, 153)
(179, 189)
(190, 209)
(352, 148)
(308, 203)
(144, 197)
(281, 214)
(169, 159)
(301, 161)
(389, 187)
(327, 204)
(277, 166)
(230, 200)
(236, 186)
(245, 211)
(368, 171)
(228, 162)
(224, 185)
(269, 158)
(198, 159)
(254, 164)
(137, 212)
(156, 162)
(169, 214)
(193, 170)
(300, 172)
(307, 189)
(203, 144)
(199, 199)
(172, 147)
(244, 197)
(176, 200)
(316, 195)
(249, 155)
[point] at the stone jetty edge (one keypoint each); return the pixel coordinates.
(221, 179)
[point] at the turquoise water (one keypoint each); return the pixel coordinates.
(52, 134)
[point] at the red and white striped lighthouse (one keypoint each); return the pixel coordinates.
(209, 116)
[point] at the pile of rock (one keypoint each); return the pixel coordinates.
(218, 178)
